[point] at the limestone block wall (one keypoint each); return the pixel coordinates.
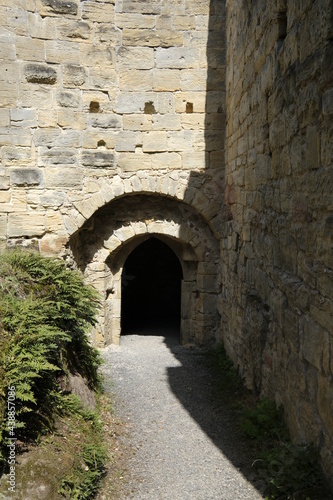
(101, 100)
(277, 254)
(91, 90)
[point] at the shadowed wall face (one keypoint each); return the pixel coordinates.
(277, 309)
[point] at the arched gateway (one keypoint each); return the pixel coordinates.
(103, 244)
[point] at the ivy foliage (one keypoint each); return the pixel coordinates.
(45, 313)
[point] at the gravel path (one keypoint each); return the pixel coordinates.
(184, 446)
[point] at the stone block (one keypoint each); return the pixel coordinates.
(40, 73)
(179, 141)
(30, 49)
(54, 222)
(166, 80)
(135, 57)
(55, 7)
(4, 117)
(176, 57)
(70, 119)
(62, 52)
(154, 142)
(3, 226)
(184, 23)
(103, 78)
(62, 177)
(134, 20)
(26, 224)
(16, 156)
(15, 137)
(42, 28)
(132, 162)
(23, 118)
(57, 138)
(33, 95)
(56, 156)
(73, 75)
(89, 205)
(112, 243)
(4, 182)
(135, 79)
(97, 159)
(51, 198)
(124, 233)
(106, 34)
(69, 99)
(152, 38)
(166, 122)
(100, 56)
(137, 122)
(52, 245)
(164, 161)
(94, 139)
(194, 101)
(8, 51)
(151, 7)
(73, 221)
(16, 20)
(134, 102)
(47, 118)
(193, 80)
(128, 141)
(5, 197)
(104, 121)
(98, 12)
(194, 160)
(193, 121)
(10, 72)
(68, 29)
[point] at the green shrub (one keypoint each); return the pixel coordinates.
(45, 313)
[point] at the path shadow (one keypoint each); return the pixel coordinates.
(195, 390)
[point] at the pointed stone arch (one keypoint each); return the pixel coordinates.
(103, 243)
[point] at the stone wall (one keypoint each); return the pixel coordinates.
(277, 252)
(104, 100)
(206, 125)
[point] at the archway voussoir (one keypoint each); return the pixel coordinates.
(124, 233)
(102, 255)
(172, 188)
(112, 243)
(128, 187)
(139, 227)
(107, 191)
(118, 186)
(136, 183)
(73, 221)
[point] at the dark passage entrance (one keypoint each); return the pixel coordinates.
(151, 289)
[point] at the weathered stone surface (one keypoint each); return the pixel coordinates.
(26, 176)
(26, 224)
(57, 7)
(37, 73)
(180, 58)
(73, 30)
(98, 159)
(73, 75)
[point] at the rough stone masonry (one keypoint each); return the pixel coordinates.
(206, 124)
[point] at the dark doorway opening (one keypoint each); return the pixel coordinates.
(151, 290)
